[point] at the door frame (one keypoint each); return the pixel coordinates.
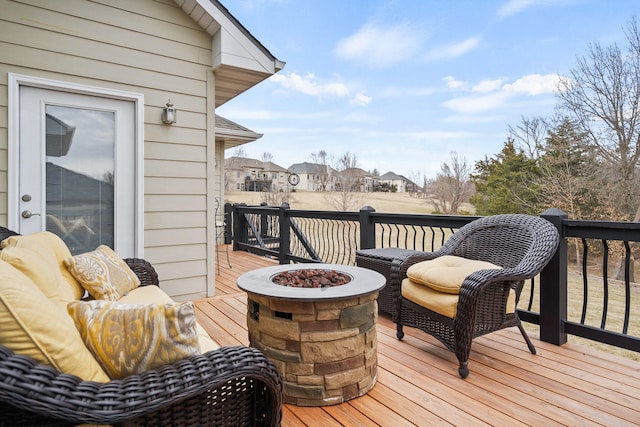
(13, 151)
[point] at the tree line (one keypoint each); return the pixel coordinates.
(582, 159)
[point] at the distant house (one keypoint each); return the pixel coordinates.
(356, 180)
(86, 112)
(401, 183)
(246, 174)
(315, 176)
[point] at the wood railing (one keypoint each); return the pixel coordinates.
(587, 289)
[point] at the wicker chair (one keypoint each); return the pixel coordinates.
(231, 386)
(521, 244)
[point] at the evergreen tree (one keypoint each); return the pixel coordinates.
(506, 183)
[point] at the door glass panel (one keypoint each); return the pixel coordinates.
(80, 161)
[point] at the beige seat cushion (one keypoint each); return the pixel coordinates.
(443, 303)
(103, 273)
(446, 273)
(131, 339)
(52, 249)
(35, 326)
(153, 294)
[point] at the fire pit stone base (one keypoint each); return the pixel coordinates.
(325, 350)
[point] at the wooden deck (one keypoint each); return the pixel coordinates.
(418, 383)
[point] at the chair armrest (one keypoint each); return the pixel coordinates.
(219, 387)
(144, 270)
(492, 286)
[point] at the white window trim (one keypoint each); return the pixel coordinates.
(17, 80)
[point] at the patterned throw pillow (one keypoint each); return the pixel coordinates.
(130, 339)
(103, 273)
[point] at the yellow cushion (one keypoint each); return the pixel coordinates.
(34, 326)
(153, 294)
(43, 272)
(442, 303)
(51, 248)
(133, 338)
(146, 295)
(103, 273)
(446, 273)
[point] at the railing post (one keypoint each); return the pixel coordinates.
(239, 227)
(367, 228)
(264, 223)
(285, 233)
(553, 287)
(228, 220)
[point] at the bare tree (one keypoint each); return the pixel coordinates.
(271, 195)
(530, 135)
(232, 164)
(452, 186)
(323, 159)
(602, 95)
(348, 195)
(414, 177)
(267, 157)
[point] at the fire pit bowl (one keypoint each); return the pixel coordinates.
(322, 339)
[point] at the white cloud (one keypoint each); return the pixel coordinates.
(513, 7)
(453, 50)
(310, 85)
(490, 95)
(534, 84)
(453, 83)
(360, 99)
(485, 86)
(477, 104)
(380, 46)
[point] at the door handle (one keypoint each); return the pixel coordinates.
(28, 214)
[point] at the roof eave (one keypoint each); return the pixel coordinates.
(240, 61)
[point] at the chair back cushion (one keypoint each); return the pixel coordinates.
(42, 270)
(51, 248)
(35, 326)
(446, 273)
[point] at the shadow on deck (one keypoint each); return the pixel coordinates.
(418, 382)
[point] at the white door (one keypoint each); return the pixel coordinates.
(77, 168)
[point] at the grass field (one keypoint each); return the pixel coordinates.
(313, 200)
(405, 203)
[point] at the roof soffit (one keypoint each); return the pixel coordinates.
(240, 61)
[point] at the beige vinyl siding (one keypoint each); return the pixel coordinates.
(142, 46)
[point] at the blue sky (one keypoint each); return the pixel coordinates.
(403, 83)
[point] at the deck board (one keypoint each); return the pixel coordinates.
(418, 383)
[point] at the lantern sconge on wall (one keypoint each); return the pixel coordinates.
(169, 114)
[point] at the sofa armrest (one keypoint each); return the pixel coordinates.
(144, 270)
(229, 386)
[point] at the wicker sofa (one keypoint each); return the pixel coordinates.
(230, 386)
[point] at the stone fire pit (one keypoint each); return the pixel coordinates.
(322, 340)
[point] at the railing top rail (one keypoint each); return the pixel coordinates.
(447, 221)
(241, 208)
(609, 230)
(345, 216)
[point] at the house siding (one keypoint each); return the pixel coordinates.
(143, 46)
